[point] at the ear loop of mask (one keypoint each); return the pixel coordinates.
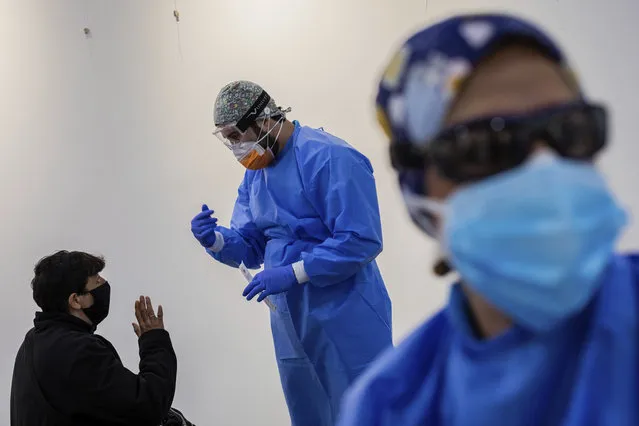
(255, 146)
(280, 121)
(263, 148)
(415, 203)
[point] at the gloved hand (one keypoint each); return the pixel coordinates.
(271, 281)
(203, 227)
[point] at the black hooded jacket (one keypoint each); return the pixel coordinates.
(65, 375)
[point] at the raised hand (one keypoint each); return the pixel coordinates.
(147, 320)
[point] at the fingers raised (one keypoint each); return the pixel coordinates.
(145, 315)
(149, 307)
(143, 310)
(138, 312)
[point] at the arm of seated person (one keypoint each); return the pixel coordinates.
(108, 391)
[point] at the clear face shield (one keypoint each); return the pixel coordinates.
(253, 138)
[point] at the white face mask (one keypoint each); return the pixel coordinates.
(242, 149)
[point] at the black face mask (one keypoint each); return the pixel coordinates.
(101, 301)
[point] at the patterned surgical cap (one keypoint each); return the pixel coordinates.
(235, 99)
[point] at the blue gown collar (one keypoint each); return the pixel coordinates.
(458, 311)
(291, 141)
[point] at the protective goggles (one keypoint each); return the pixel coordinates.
(236, 139)
(487, 146)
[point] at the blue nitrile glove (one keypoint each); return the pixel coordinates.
(270, 281)
(203, 227)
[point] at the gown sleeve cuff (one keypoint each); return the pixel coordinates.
(300, 272)
(219, 243)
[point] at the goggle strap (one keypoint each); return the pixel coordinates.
(253, 112)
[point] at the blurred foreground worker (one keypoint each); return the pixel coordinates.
(67, 375)
(307, 210)
(494, 143)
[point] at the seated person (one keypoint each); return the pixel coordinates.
(65, 374)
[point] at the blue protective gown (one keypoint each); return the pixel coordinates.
(583, 373)
(317, 203)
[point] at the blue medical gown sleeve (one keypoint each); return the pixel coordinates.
(339, 183)
(634, 259)
(243, 241)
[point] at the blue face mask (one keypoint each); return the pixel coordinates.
(534, 241)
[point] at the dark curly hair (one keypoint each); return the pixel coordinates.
(60, 275)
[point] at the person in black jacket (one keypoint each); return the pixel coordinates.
(66, 375)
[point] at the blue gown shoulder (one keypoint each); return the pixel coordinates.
(315, 148)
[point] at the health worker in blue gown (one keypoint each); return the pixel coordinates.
(495, 143)
(307, 210)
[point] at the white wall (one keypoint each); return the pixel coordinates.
(106, 147)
